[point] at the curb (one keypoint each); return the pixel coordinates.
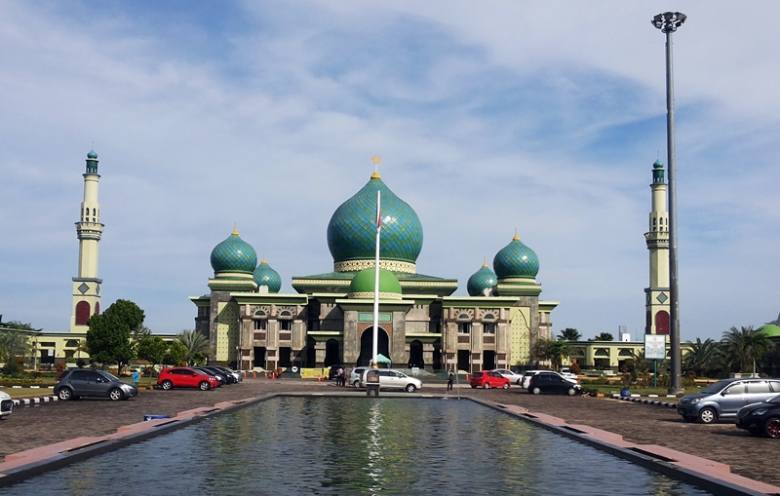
(650, 400)
(38, 400)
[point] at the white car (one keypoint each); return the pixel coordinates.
(6, 405)
(566, 373)
(513, 377)
(394, 379)
(356, 375)
(527, 377)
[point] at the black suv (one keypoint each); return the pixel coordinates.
(552, 382)
(76, 383)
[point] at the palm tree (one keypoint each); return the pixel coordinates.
(196, 344)
(13, 344)
(701, 357)
(569, 334)
(604, 336)
(745, 346)
(553, 350)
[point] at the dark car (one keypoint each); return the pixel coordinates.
(723, 399)
(761, 418)
(77, 383)
(551, 382)
(214, 373)
(233, 377)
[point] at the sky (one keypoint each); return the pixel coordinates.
(489, 116)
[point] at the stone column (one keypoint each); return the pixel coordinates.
(351, 344)
(399, 352)
(428, 356)
(319, 353)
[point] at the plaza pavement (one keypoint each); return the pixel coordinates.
(748, 456)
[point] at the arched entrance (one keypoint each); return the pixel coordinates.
(332, 356)
(367, 343)
(416, 354)
(311, 352)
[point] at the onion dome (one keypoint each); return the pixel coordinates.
(92, 154)
(482, 282)
(352, 231)
(233, 255)
(516, 260)
(362, 285)
(266, 276)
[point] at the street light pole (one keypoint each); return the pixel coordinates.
(668, 22)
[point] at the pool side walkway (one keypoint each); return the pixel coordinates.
(35, 437)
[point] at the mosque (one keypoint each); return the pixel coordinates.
(329, 319)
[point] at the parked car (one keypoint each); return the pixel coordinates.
(488, 379)
(6, 405)
(185, 377)
(527, 377)
(77, 383)
(233, 376)
(761, 418)
(513, 377)
(356, 376)
(567, 373)
(209, 371)
(552, 382)
(723, 399)
(394, 379)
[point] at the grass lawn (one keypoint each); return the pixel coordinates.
(17, 393)
(643, 390)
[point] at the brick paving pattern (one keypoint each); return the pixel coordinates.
(748, 456)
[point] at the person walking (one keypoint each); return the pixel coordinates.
(450, 381)
(136, 377)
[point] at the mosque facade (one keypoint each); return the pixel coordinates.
(328, 320)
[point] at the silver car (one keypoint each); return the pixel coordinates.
(723, 399)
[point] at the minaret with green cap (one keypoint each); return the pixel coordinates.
(657, 239)
(89, 229)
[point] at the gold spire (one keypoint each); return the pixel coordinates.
(376, 160)
(516, 237)
(484, 263)
(263, 261)
(235, 230)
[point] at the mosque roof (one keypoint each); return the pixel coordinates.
(362, 284)
(771, 330)
(265, 275)
(516, 260)
(233, 255)
(482, 282)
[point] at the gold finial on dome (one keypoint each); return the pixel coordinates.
(263, 261)
(484, 263)
(516, 237)
(235, 230)
(376, 160)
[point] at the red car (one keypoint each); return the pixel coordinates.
(487, 380)
(185, 377)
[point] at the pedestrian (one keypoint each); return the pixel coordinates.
(341, 380)
(136, 377)
(450, 381)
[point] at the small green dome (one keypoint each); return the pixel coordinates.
(362, 285)
(770, 330)
(658, 165)
(352, 228)
(516, 260)
(233, 255)
(483, 282)
(92, 154)
(266, 276)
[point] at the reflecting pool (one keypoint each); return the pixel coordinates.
(345, 446)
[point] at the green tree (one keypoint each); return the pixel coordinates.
(152, 349)
(16, 324)
(108, 337)
(176, 354)
(744, 347)
(604, 336)
(197, 346)
(554, 350)
(569, 334)
(13, 344)
(702, 357)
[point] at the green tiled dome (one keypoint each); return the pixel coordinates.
(770, 330)
(482, 282)
(516, 260)
(266, 276)
(233, 255)
(92, 154)
(352, 228)
(362, 285)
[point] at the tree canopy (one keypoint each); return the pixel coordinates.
(151, 348)
(196, 344)
(108, 337)
(604, 336)
(569, 334)
(553, 350)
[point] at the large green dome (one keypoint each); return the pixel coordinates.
(352, 229)
(516, 260)
(233, 255)
(362, 285)
(267, 276)
(770, 330)
(482, 282)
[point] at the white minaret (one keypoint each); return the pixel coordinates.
(657, 238)
(86, 285)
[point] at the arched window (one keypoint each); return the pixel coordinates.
(260, 322)
(464, 327)
(488, 317)
(285, 321)
(464, 316)
(662, 322)
(490, 327)
(82, 313)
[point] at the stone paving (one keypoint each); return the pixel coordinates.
(748, 456)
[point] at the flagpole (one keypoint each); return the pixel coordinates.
(376, 279)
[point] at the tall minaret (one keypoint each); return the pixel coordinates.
(657, 238)
(86, 285)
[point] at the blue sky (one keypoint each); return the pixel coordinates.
(545, 116)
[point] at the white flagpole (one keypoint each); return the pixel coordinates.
(376, 279)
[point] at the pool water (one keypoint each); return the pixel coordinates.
(345, 446)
